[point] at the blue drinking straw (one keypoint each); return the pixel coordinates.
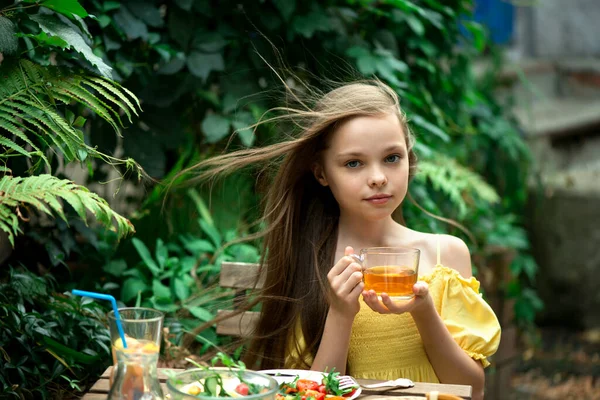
(110, 298)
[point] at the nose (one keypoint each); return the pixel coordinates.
(377, 178)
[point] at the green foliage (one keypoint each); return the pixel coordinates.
(200, 63)
(44, 192)
(54, 27)
(168, 277)
(199, 73)
(52, 86)
(47, 339)
(38, 117)
(28, 111)
(8, 40)
(455, 181)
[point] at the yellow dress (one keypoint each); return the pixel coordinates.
(390, 346)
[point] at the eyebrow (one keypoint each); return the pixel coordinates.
(395, 147)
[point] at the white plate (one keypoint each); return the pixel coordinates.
(288, 375)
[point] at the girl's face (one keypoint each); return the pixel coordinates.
(366, 166)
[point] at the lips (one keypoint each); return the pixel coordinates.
(380, 198)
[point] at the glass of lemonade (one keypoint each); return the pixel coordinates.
(391, 270)
(135, 374)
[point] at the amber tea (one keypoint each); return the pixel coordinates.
(391, 270)
(396, 281)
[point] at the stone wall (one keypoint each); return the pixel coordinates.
(565, 234)
(559, 28)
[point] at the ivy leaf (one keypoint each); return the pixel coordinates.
(111, 5)
(307, 25)
(211, 232)
(182, 291)
(387, 65)
(366, 63)
(285, 7)
(8, 40)
(201, 313)
(115, 267)
(104, 21)
(145, 256)
(201, 64)
(131, 287)
(199, 246)
(132, 26)
(241, 124)
(420, 121)
(181, 26)
(160, 291)
(435, 18)
(215, 128)
(173, 66)
(162, 253)
(68, 8)
(147, 12)
(51, 25)
(185, 4)
(43, 39)
(478, 34)
(416, 25)
(163, 304)
(209, 42)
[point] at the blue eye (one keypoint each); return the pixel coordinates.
(394, 158)
(353, 164)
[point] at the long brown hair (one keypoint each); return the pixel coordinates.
(301, 216)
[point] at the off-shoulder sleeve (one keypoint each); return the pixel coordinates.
(469, 318)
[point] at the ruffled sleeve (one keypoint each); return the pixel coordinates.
(469, 318)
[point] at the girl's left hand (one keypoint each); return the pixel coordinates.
(387, 306)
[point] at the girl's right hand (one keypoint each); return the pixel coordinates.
(345, 280)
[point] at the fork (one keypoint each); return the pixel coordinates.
(400, 382)
(347, 382)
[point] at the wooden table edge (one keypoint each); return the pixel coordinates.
(100, 388)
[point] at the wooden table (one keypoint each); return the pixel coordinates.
(100, 389)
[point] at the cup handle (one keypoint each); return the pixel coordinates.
(357, 258)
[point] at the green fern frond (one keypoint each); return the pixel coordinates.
(17, 128)
(44, 192)
(28, 97)
(456, 181)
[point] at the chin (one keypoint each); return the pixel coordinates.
(377, 216)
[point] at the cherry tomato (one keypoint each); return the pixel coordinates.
(306, 384)
(322, 389)
(350, 393)
(242, 389)
(313, 394)
(288, 389)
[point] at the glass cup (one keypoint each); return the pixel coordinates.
(135, 376)
(186, 385)
(391, 270)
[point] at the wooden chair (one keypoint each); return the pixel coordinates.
(241, 277)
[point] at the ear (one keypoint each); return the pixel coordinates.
(319, 174)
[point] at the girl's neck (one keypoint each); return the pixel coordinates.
(359, 233)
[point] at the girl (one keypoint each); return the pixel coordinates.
(335, 188)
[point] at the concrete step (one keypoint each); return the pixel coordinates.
(579, 78)
(558, 117)
(551, 97)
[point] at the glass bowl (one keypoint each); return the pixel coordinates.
(179, 381)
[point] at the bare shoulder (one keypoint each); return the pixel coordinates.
(455, 254)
